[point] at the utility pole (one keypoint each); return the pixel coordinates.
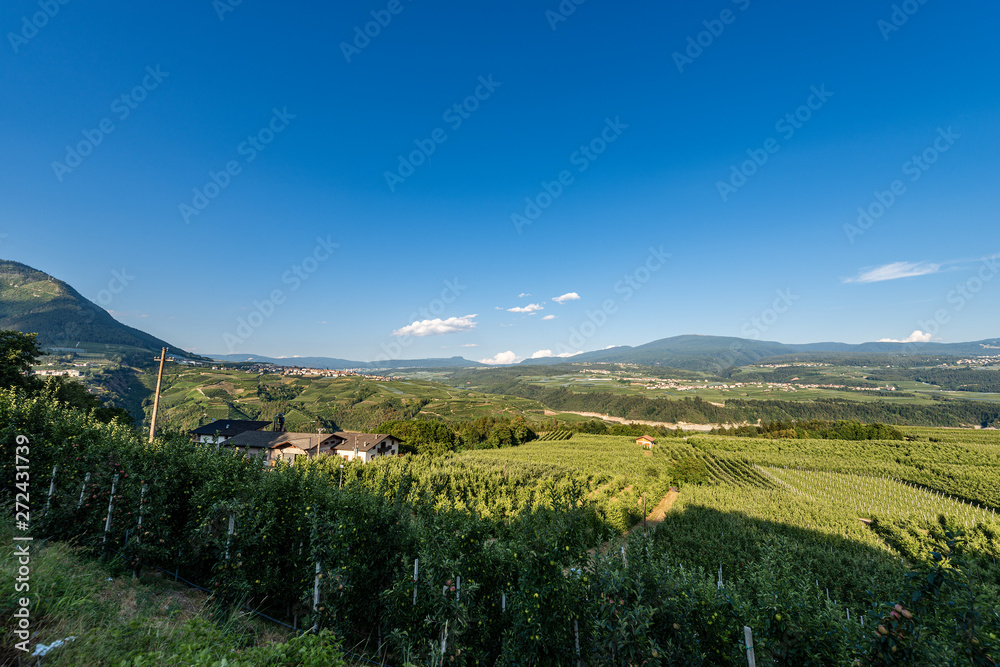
(156, 398)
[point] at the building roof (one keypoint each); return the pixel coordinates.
(646, 437)
(229, 427)
(362, 441)
(267, 439)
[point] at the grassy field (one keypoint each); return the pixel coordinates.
(101, 613)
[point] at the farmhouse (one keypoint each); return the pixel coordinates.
(646, 441)
(220, 431)
(366, 446)
(274, 446)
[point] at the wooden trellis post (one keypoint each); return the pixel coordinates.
(316, 597)
(83, 489)
(111, 504)
(137, 570)
(416, 576)
(52, 487)
(751, 656)
(229, 536)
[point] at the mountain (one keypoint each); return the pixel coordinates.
(34, 301)
(341, 364)
(714, 353)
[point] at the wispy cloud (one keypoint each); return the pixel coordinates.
(523, 295)
(894, 271)
(917, 336)
(437, 326)
(469, 345)
(568, 296)
(507, 357)
(549, 317)
(530, 308)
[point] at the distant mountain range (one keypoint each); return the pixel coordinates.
(34, 301)
(707, 353)
(31, 300)
(689, 352)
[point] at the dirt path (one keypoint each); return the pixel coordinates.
(684, 426)
(659, 513)
(653, 519)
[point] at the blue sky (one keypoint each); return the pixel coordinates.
(276, 181)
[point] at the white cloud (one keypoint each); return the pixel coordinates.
(437, 326)
(543, 354)
(917, 336)
(522, 295)
(507, 357)
(895, 271)
(549, 317)
(530, 308)
(469, 345)
(568, 296)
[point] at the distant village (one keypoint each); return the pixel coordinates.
(683, 385)
(260, 369)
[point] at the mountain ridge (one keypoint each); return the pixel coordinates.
(35, 301)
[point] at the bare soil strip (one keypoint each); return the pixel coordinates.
(684, 426)
(659, 512)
